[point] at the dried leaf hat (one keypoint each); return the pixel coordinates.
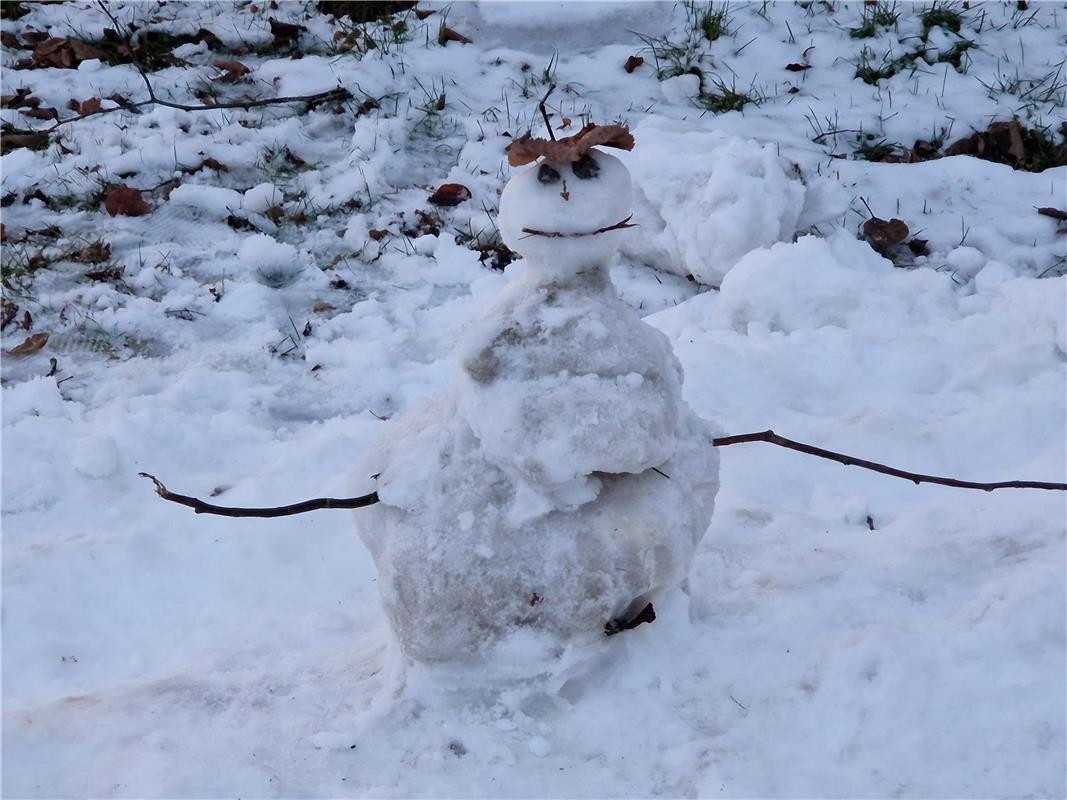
(527, 149)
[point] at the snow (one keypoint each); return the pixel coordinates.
(151, 652)
(740, 194)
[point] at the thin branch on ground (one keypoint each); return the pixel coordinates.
(201, 507)
(337, 93)
(773, 438)
(544, 111)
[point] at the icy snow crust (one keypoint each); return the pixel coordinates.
(560, 482)
(151, 652)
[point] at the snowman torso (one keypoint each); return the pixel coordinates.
(532, 495)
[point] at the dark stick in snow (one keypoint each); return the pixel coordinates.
(773, 438)
(200, 507)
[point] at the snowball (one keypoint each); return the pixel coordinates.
(703, 199)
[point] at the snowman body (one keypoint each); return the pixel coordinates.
(560, 481)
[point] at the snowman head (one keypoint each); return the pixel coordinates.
(570, 209)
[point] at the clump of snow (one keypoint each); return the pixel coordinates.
(705, 198)
(261, 197)
(216, 201)
(560, 482)
(276, 263)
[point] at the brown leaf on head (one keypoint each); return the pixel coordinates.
(571, 148)
(123, 199)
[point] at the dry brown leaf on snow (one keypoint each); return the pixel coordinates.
(884, 234)
(632, 63)
(40, 113)
(446, 34)
(450, 194)
(232, 70)
(31, 345)
(64, 53)
(125, 200)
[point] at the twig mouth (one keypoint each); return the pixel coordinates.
(557, 235)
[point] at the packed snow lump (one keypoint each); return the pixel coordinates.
(560, 482)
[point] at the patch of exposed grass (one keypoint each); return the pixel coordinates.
(876, 16)
(940, 15)
(722, 97)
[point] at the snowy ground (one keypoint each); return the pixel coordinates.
(149, 652)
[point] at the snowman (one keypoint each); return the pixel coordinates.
(559, 484)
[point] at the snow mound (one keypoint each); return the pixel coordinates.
(704, 199)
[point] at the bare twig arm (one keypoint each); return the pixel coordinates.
(200, 507)
(773, 438)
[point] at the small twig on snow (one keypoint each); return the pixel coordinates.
(338, 93)
(200, 507)
(773, 438)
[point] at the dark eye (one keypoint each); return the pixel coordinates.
(547, 174)
(586, 167)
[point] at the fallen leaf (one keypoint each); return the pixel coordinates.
(446, 34)
(377, 234)
(919, 247)
(797, 67)
(211, 163)
(284, 32)
(64, 53)
(320, 308)
(27, 321)
(31, 345)
(232, 70)
(883, 234)
(90, 106)
(632, 63)
(40, 113)
(450, 194)
(20, 99)
(123, 199)
(274, 213)
(10, 41)
(8, 310)
(1055, 213)
(239, 223)
(109, 274)
(423, 13)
